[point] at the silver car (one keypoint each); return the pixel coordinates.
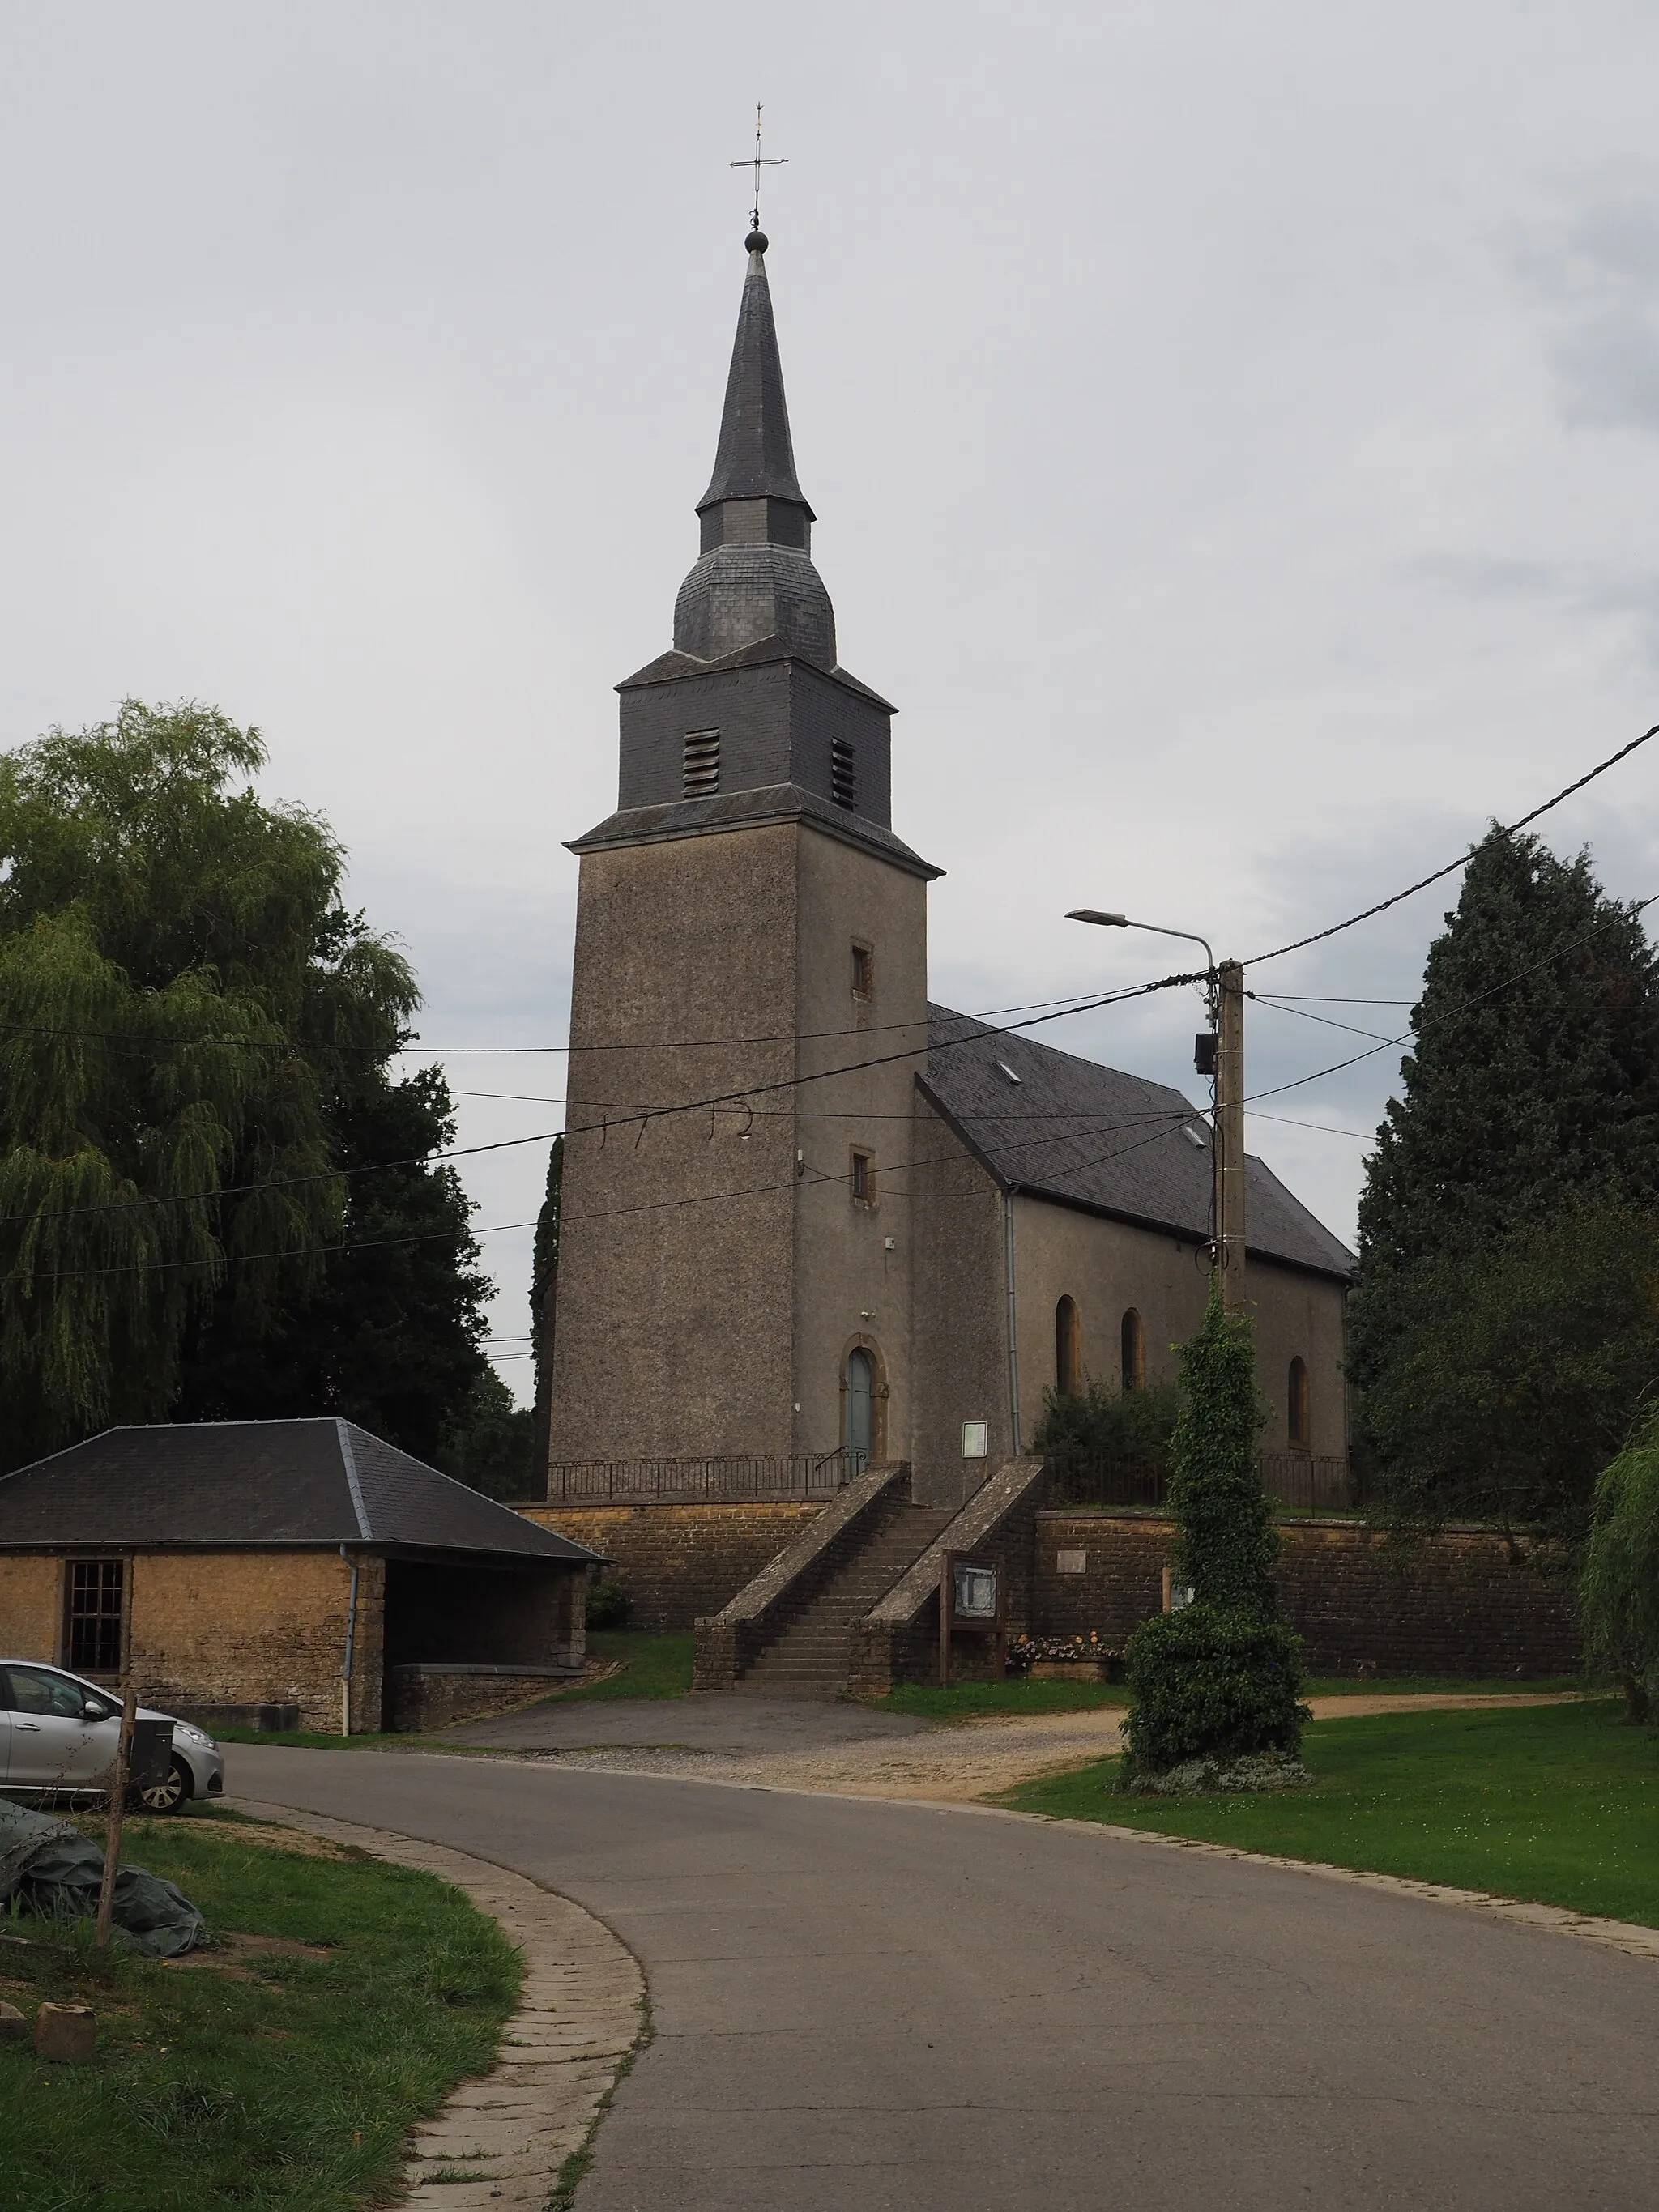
(58, 1738)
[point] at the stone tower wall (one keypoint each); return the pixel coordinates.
(713, 1267)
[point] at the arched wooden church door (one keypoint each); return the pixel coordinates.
(861, 1406)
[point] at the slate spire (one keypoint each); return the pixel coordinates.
(755, 459)
(755, 583)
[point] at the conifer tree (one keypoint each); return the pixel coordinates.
(1218, 1679)
(544, 1301)
(1534, 1075)
(1530, 1103)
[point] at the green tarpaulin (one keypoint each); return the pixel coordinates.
(51, 1867)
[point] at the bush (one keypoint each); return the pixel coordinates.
(1131, 1429)
(1618, 1589)
(1210, 1682)
(609, 1604)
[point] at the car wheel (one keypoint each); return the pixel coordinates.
(168, 1796)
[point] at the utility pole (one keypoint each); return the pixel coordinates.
(1229, 1134)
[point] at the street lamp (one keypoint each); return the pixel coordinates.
(1122, 922)
(1225, 989)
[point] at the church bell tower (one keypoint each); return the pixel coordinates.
(748, 1011)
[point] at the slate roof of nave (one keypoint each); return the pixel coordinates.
(1093, 1137)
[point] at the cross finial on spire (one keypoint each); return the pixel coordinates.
(755, 240)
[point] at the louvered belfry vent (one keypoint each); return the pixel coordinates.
(702, 763)
(843, 773)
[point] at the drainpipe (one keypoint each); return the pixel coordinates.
(351, 1646)
(1013, 1318)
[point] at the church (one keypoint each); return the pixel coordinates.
(805, 1212)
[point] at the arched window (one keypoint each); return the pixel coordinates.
(1134, 1351)
(1298, 1414)
(861, 1406)
(1068, 1352)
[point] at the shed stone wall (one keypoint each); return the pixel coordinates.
(223, 1634)
(31, 1606)
(229, 1630)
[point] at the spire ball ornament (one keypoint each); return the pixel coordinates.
(756, 242)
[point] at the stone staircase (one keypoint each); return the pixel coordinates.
(811, 1654)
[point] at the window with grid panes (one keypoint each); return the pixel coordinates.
(94, 1616)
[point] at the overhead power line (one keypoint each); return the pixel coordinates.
(603, 1127)
(1492, 837)
(1520, 976)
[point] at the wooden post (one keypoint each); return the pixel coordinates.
(118, 1808)
(1229, 1135)
(947, 1606)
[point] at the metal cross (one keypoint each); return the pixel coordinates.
(772, 161)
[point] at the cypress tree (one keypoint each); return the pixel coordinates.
(1219, 1678)
(1517, 1099)
(543, 1300)
(1530, 1103)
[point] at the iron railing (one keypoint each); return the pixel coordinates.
(778, 1478)
(1309, 1482)
(1302, 1482)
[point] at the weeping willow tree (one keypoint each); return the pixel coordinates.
(1618, 1592)
(182, 996)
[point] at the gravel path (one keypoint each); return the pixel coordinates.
(804, 1745)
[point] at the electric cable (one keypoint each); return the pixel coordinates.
(1492, 837)
(1520, 976)
(603, 1127)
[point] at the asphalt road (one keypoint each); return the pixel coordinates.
(864, 2005)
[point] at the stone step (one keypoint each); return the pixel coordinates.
(813, 1651)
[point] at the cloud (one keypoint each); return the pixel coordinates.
(1595, 272)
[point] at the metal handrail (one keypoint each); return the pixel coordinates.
(736, 1478)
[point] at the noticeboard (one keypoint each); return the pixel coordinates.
(973, 1599)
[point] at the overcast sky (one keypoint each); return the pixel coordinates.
(1234, 433)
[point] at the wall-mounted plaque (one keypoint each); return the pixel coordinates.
(1070, 1563)
(976, 1439)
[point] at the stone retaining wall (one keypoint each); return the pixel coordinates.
(1457, 1605)
(680, 1562)
(434, 1696)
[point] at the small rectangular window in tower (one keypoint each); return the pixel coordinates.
(843, 773)
(94, 1616)
(863, 1179)
(864, 972)
(702, 763)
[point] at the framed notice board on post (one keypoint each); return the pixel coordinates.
(973, 1600)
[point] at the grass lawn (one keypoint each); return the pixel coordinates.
(1559, 1804)
(284, 2085)
(652, 1666)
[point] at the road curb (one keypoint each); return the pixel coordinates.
(505, 2136)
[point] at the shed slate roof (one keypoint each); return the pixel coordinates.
(235, 1485)
(1092, 1137)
